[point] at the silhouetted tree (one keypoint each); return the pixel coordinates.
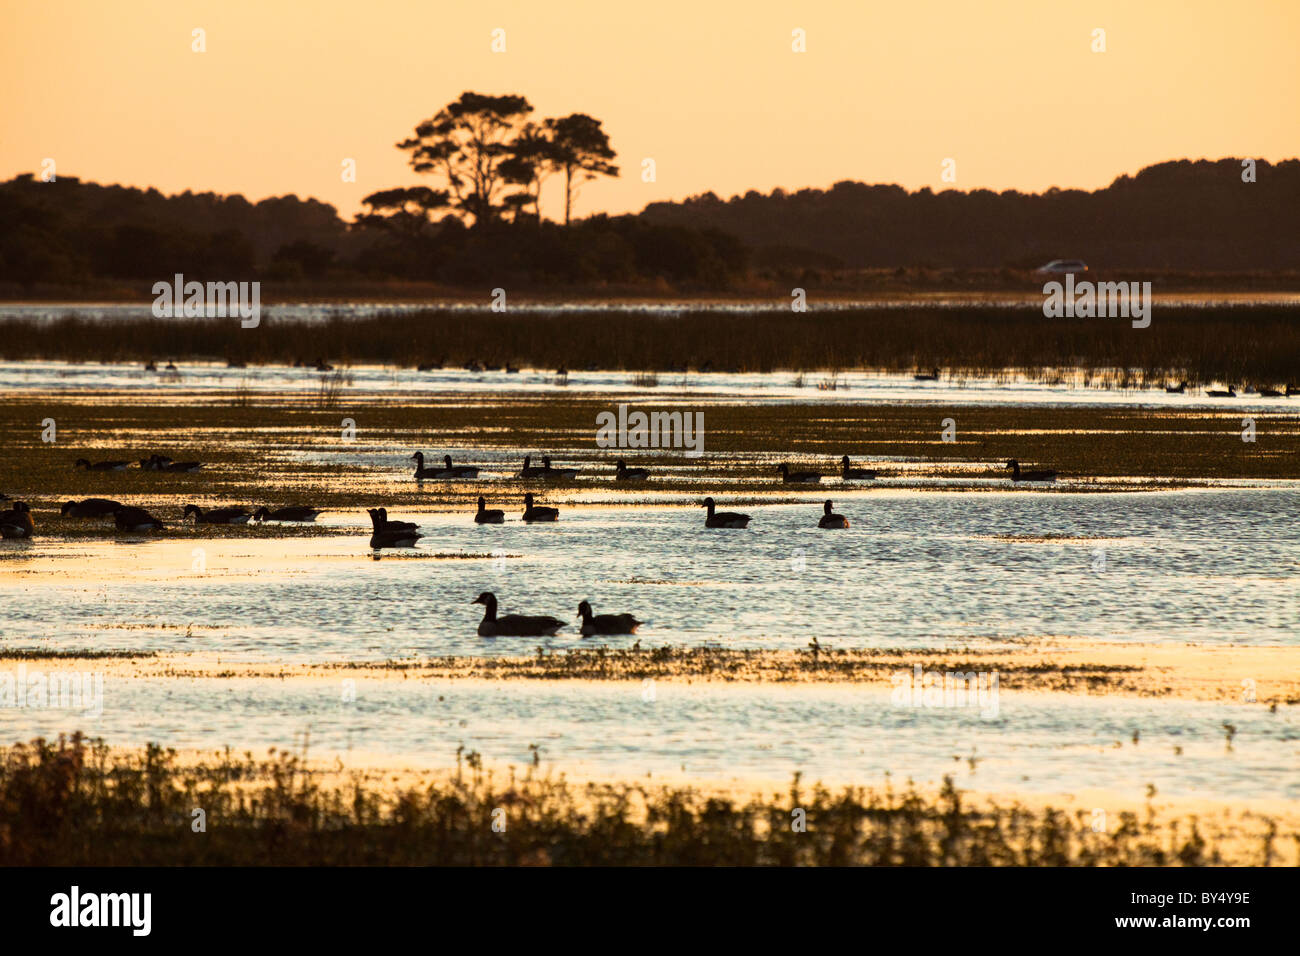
(466, 143)
(580, 149)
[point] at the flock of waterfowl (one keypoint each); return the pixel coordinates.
(16, 522)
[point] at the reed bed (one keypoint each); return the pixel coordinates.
(1238, 344)
(76, 802)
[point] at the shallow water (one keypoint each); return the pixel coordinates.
(214, 381)
(916, 569)
(717, 733)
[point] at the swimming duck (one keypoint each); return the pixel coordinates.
(287, 513)
(557, 474)
(1018, 475)
(422, 472)
(723, 519)
(797, 477)
(854, 474)
(605, 623)
(932, 376)
(512, 625)
(154, 463)
(234, 515)
(538, 512)
(1229, 392)
(623, 473)
(90, 508)
(484, 515)
(1265, 392)
(135, 519)
(100, 465)
(457, 471)
(17, 521)
(830, 519)
(530, 470)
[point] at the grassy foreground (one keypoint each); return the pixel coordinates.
(79, 803)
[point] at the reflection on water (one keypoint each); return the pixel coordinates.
(197, 381)
(720, 732)
(915, 570)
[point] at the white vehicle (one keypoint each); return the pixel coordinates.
(1059, 267)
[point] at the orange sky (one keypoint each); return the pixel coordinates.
(287, 89)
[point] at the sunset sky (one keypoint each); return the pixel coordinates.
(1010, 89)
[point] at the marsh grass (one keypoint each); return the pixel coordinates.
(74, 802)
(1242, 344)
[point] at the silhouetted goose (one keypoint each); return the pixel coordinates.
(396, 538)
(830, 519)
(512, 625)
(932, 376)
(530, 470)
(17, 521)
(233, 515)
(854, 474)
(1018, 475)
(606, 623)
(421, 472)
(797, 477)
(287, 513)
(486, 515)
(162, 463)
(457, 471)
(538, 512)
(89, 508)
(149, 366)
(557, 474)
(623, 473)
(1176, 389)
(135, 519)
(1270, 392)
(1229, 392)
(100, 465)
(379, 519)
(723, 519)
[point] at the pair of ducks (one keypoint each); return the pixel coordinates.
(391, 534)
(543, 625)
(847, 473)
(532, 512)
(152, 463)
(449, 472)
(546, 471)
(237, 515)
(125, 517)
(734, 519)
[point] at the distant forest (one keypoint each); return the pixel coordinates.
(1175, 216)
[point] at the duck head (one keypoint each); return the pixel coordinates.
(194, 510)
(261, 514)
(482, 506)
(528, 500)
(827, 507)
(81, 463)
(419, 457)
(446, 460)
(709, 503)
(67, 506)
(584, 611)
